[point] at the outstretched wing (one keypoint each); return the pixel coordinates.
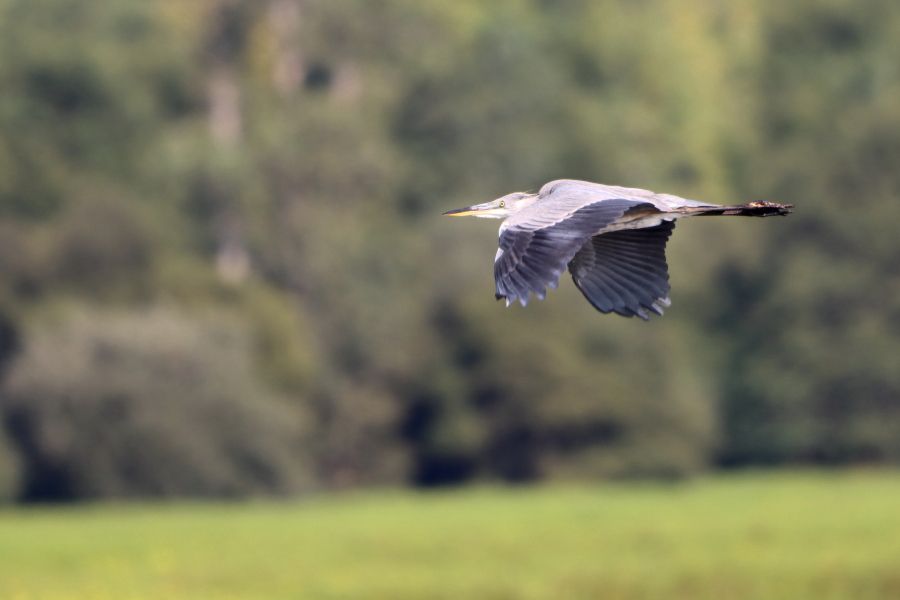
(625, 271)
(536, 247)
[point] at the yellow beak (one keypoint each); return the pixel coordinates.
(462, 212)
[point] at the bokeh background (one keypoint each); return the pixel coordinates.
(224, 274)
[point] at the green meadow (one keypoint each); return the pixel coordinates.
(800, 535)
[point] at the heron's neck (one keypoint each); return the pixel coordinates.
(532, 199)
(526, 202)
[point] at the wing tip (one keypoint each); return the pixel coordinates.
(657, 307)
(523, 300)
(660, 304)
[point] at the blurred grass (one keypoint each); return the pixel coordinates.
(793, 535)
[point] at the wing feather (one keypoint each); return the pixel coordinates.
(533, 255)
(625, 271)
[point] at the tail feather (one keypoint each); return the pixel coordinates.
(751, 209)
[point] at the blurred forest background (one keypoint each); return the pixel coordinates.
(223, 270)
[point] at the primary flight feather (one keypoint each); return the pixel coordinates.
(612, 239)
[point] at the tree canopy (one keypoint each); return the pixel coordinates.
(220, 234)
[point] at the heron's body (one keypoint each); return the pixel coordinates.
(612, 239)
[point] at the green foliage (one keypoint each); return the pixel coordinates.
(791, 536)
(282, 165)
(9, 471)
(148, 404)
(100, 243)
(820, 297)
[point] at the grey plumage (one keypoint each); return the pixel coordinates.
(625, 271)
(612, 239)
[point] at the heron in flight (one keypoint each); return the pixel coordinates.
(613, 240)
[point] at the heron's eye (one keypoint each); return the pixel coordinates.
(503, 204)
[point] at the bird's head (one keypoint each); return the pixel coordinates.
(500, 208)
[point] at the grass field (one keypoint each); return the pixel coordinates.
(789, 536)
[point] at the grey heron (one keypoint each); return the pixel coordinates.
(613, 240)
